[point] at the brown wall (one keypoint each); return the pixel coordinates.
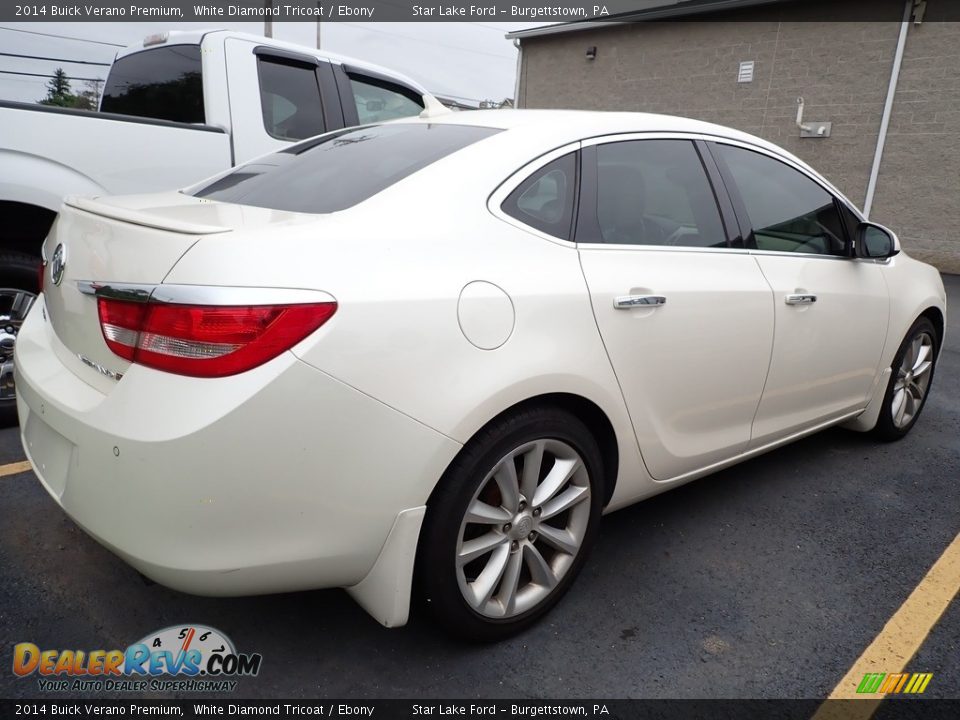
(841, 69)
(918, 193)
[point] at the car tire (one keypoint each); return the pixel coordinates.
(535, 549)
(19, 286)
(906, 395)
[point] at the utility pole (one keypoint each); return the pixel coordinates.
(268, 18)
(319, 10)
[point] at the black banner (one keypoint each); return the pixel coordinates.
(478, 709)
(487, 11)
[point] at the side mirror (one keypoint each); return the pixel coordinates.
(876, 242)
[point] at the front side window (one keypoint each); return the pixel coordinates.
(656, 192)
(341, 169)
(545, 199)
(381, 101)
(290, 99)
(789, 212)
(162, 84)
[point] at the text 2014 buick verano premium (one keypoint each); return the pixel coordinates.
(421, 359)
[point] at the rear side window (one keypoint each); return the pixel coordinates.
(163, 84)
(380, 101)
(656, 192)
(341, 169)
(545, 199)
(290, 99)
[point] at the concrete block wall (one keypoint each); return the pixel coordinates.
(841, 69)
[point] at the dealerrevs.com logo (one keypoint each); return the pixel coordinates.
(178, 658)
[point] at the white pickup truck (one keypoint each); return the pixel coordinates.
(177, 108)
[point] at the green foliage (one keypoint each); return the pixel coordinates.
(59, 95)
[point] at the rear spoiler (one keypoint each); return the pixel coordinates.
(140, 217)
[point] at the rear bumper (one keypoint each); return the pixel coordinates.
(281, 478)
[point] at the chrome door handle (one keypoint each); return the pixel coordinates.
(627, 302)
(800, 299)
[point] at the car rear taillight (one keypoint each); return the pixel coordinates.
(206, 340)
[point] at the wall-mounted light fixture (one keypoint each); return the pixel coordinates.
(592, 52)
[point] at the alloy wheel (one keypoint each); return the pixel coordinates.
(913, 380)
(14, 306)
(523, 528)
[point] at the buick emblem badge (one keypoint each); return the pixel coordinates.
(58, 264)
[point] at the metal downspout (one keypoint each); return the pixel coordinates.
(516, 86)
(887, 109)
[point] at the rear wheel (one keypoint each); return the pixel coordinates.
(510, 525)
(912, 373)
(19, 286)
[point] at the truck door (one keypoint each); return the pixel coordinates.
(277, 97)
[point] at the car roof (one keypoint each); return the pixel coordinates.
(554, 128)
(579, 124)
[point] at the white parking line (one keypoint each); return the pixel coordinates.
(14, 468)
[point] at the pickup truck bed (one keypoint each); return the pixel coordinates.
(180, 107)
(58, 148)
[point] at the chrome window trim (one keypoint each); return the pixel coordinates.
(502, 192)
(525, 171)
(803, 169)
(728, 251)
(799, 167)
(663, 248)
(175, 294)
(723, 139)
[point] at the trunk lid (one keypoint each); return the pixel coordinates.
(133, 239)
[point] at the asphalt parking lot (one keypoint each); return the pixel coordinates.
(767, 580)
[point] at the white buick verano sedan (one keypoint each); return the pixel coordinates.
(421, 358)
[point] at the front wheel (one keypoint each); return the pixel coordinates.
(912, 373)
(510, 524)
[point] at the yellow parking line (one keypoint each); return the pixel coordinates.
(14, 468)
(900, 638)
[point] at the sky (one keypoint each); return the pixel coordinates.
(469, 61)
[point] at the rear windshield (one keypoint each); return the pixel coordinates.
(162, 84)
(339, 170)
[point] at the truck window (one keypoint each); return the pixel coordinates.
(378, 101)
(340, 169)
(290, 99)
(162, 84)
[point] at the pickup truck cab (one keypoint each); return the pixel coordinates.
(177, 108)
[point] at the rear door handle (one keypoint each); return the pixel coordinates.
(800, 299)
(628, 302)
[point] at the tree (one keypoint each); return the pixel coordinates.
(89, 97)
(59, 95)
(58, 90)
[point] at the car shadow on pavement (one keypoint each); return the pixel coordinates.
(709, 590)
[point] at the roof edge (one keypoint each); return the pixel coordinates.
(663, 11)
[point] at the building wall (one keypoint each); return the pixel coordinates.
(841, 69)
(918, 193)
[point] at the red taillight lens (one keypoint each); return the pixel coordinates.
(206, 340)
